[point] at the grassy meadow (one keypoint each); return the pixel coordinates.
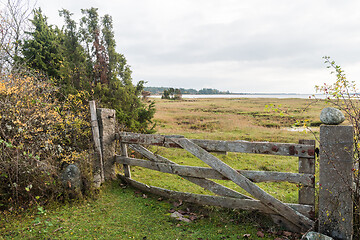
(234, 119)
(125, 213)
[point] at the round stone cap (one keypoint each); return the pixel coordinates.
(331, 116)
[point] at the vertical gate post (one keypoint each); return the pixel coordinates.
(335, 191)
(106, 119)
(307, 165)
(98, 166)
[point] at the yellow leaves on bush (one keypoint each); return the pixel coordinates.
(33, 117)
(38, 132)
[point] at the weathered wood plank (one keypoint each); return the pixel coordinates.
(290, 214)
(107, 119)
(203, 172)
(99, 165)
(307, 166)
(284, 149)
(124, 154)
(227, 202)
(205, 183)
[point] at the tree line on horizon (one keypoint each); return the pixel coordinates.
(161, 90)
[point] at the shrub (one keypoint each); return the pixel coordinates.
(38, 134)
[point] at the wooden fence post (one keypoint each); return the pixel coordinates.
(307, 165)
(98, 169)
(336, 178)
(107, 136)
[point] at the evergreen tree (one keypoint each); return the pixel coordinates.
(74, 69)
(86, 59)
(42, 50)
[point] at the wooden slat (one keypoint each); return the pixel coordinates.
(290, 214)
(307, 166)
(233, 203)
(96, 138)
(124, 153)
(203, 172)
(284, 149)
(205, 183)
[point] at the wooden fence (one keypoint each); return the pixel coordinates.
(299, 217)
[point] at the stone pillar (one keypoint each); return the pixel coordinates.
(336, 178)
(106, 118)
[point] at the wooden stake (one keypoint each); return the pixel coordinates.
(96, 137)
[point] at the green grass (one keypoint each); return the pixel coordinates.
(283, 191)
(124, 213)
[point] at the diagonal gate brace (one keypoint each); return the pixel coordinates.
(274, 204)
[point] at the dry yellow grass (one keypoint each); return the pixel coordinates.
(244, 118)
(232, 119)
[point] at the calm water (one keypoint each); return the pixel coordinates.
(303, 96)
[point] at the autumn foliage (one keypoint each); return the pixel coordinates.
(38, 135)
(47, 78)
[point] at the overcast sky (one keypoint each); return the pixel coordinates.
(235, 45)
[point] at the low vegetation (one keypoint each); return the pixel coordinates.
(38, 135)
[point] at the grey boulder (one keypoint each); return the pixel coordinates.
(331, 116)
(71, 177)
(315, 236)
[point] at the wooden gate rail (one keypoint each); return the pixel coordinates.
(227, 202)
(203, 172)
(284, 149)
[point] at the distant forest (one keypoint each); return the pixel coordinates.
(160, 90)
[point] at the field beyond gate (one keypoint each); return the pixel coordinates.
(295, 216)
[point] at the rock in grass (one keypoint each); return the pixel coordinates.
(315, 236)
(331, 116)
(71, 180)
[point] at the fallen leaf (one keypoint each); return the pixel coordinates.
(287, 234)
(182, 212)
(180, 217)
(192, 217)
(176, 214)
(177, 204)
(247, 235)
(260, 234)
(58, 229)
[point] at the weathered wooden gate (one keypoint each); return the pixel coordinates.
(300, 215)
(336, 161)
